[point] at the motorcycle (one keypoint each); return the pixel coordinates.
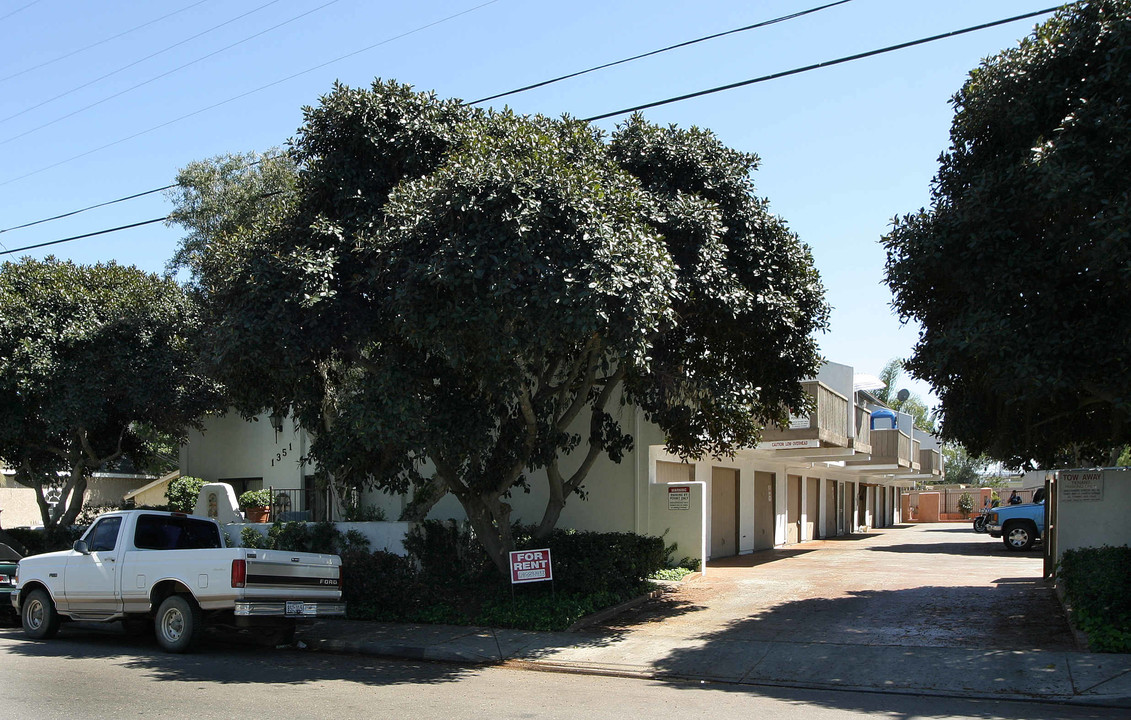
(980, 521)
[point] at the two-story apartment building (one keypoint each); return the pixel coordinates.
(832, 472)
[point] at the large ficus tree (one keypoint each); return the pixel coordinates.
(95, 361)
(1019, 271)
(452, 299)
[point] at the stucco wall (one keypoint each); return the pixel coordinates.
(19, 506)
(387, 536)
(685, 528)
(1093, 522)
(233, 448)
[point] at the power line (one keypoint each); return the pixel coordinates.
(138, 62)
(764, 23)
(243, 95)
(492, 97)
(764, 78)
(827, 63)
(19, 9)
(89, 207)
(85, 235)
(99, 42)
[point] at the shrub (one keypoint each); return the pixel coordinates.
(592, 562)
(380, 586)
(43, 540)
(255, 499)
(183, 492)
(965, 504)
(447, 553)
(252, 538)
(292, 536)
(1097, 587)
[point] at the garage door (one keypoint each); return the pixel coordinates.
(793, 509)
(724, 512)
(812, 507)
(763, 510)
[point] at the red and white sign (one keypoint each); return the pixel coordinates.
(679, 497)
(531, 566)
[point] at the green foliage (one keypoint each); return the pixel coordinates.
(446, 553)
(671, 573)
(357, 512)
(251, 538)
(965, 504)
(961, 468)
(922, 416)
(1097, 588)
(482, 289)
(1017, 272)
(293, 535)
(183, 492)
(44, 540)
(587, 562)
(94, 360)
(255, 499)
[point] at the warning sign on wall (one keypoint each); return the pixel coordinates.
(679, 497)
(1080, 486)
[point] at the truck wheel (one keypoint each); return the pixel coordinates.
(38, 615)
(178, 624)
(1018, 537)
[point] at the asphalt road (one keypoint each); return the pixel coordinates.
(100, 673)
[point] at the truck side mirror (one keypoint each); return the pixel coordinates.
(80, 546)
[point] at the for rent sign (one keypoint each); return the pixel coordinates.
(531, 566)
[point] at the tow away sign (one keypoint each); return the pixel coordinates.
(530, 566)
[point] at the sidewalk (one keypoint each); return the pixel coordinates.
(1057, 676)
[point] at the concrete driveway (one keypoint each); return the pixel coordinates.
(931, 585)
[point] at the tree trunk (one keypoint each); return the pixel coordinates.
(491, 519)
(424, 499)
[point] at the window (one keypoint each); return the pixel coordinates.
(169, 532)
(104, 535)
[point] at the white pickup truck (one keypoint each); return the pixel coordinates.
(172, 571)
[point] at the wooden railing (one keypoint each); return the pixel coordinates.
(891, 447)
(863, 440)
(930, 462)
(828, 423)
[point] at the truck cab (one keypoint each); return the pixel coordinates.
(1019, 526)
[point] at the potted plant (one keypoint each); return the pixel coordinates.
(256, 505)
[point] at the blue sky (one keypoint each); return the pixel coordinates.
(843, 149)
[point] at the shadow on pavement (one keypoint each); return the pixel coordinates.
(219, 660)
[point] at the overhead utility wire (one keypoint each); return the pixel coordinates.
(764, 78)
(244, 94)
(755, 26)
(125, 67)
(99, 42)
(164, 74)
(827, 63)
(89, 207)
(499, 95)
(19, 9)
(85, 235)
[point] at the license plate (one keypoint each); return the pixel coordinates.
(295, 607)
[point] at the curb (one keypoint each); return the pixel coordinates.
(603, 615)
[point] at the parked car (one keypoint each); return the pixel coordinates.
(172, 571)
(9, 558)
(1019, 526)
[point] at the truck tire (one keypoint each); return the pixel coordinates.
(178, 624)
(1018, 536)
(38, 615)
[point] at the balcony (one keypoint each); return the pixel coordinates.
(891, 450)
(825, 427)
(930, 462)
(862, 443)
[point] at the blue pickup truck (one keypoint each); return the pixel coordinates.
(1019, 526)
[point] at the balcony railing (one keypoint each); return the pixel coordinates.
(889, 448)
(827, 424)
(930, 462)
(862, 443)
(915, 464)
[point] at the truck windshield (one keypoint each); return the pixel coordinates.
(169, 532)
